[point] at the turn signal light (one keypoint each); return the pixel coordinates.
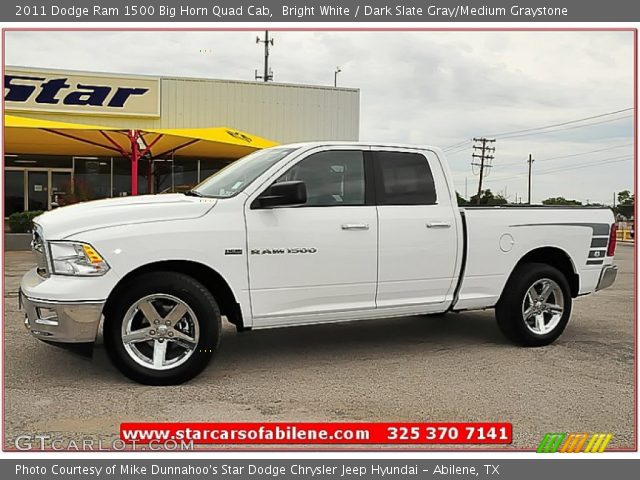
(92, 255)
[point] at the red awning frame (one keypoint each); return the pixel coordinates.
(134, 155)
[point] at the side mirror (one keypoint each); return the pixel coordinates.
(283, 193)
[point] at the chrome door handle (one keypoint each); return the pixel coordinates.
(355, 226)
(438, 225)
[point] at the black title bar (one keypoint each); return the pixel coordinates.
(266, 11)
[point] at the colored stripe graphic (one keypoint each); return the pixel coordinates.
(598, 443)
(578, 447)
(573, 443)
(551, 442)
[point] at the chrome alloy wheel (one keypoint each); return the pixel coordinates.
(543, 306)
(160, 332)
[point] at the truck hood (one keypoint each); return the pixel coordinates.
(63, 222)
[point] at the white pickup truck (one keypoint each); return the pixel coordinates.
(302, 234)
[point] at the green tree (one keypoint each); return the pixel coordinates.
(488, 198)
(560, 201)
(626, 202)
(625, 197)
(461, 201)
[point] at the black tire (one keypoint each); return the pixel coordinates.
(178, 286)
(512, 303)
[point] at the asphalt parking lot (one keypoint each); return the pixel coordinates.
(456, 367)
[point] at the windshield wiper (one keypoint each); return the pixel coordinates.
(193, 193)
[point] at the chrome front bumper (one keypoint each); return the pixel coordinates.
(60, 321)
(607, 277)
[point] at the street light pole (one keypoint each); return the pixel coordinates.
(335, 76)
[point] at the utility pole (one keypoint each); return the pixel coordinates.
(335, 76)
(485, 156)
(530, 162)
(614, 199)
(268, 74)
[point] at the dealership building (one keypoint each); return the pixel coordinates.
(72, 136)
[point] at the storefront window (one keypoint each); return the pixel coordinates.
(92, 178)
(13, 192)
(121, 177)
(185, 174)
(174, 175)
(162, 175)
(209, 167)
(46, 181)
(145, 176)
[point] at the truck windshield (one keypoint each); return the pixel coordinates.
(236, 176)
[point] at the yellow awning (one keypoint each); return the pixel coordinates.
(25, 135)
(221, 142)
(14, 121)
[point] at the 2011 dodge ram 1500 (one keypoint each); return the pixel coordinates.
(301, 234)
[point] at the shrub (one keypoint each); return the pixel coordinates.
(22, 222)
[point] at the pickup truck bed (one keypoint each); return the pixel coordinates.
(498, 238)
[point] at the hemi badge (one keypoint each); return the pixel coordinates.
(233, 251)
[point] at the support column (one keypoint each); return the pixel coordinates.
(135, 156)
(150, 176)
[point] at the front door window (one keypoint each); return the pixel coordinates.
(332, 178)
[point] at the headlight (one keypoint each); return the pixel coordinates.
(76, 258)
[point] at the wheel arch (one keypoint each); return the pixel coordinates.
(557, 258)
(211, 279)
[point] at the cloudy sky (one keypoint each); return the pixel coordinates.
(437, 88)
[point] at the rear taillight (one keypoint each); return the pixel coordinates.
(613, 236)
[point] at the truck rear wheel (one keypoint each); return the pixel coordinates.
(163, 329)
(535, 307)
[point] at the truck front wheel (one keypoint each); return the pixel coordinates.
(163, 328)
(535, 306)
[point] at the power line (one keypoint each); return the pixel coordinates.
(565, 128)
(589, 151)
(604, 161)
(458, 151)
(571, 155)
(454, 145)
(502, 134)
(553, 125)
(594, 164)
(463, 146)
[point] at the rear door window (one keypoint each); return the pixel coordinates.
(403, 178)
